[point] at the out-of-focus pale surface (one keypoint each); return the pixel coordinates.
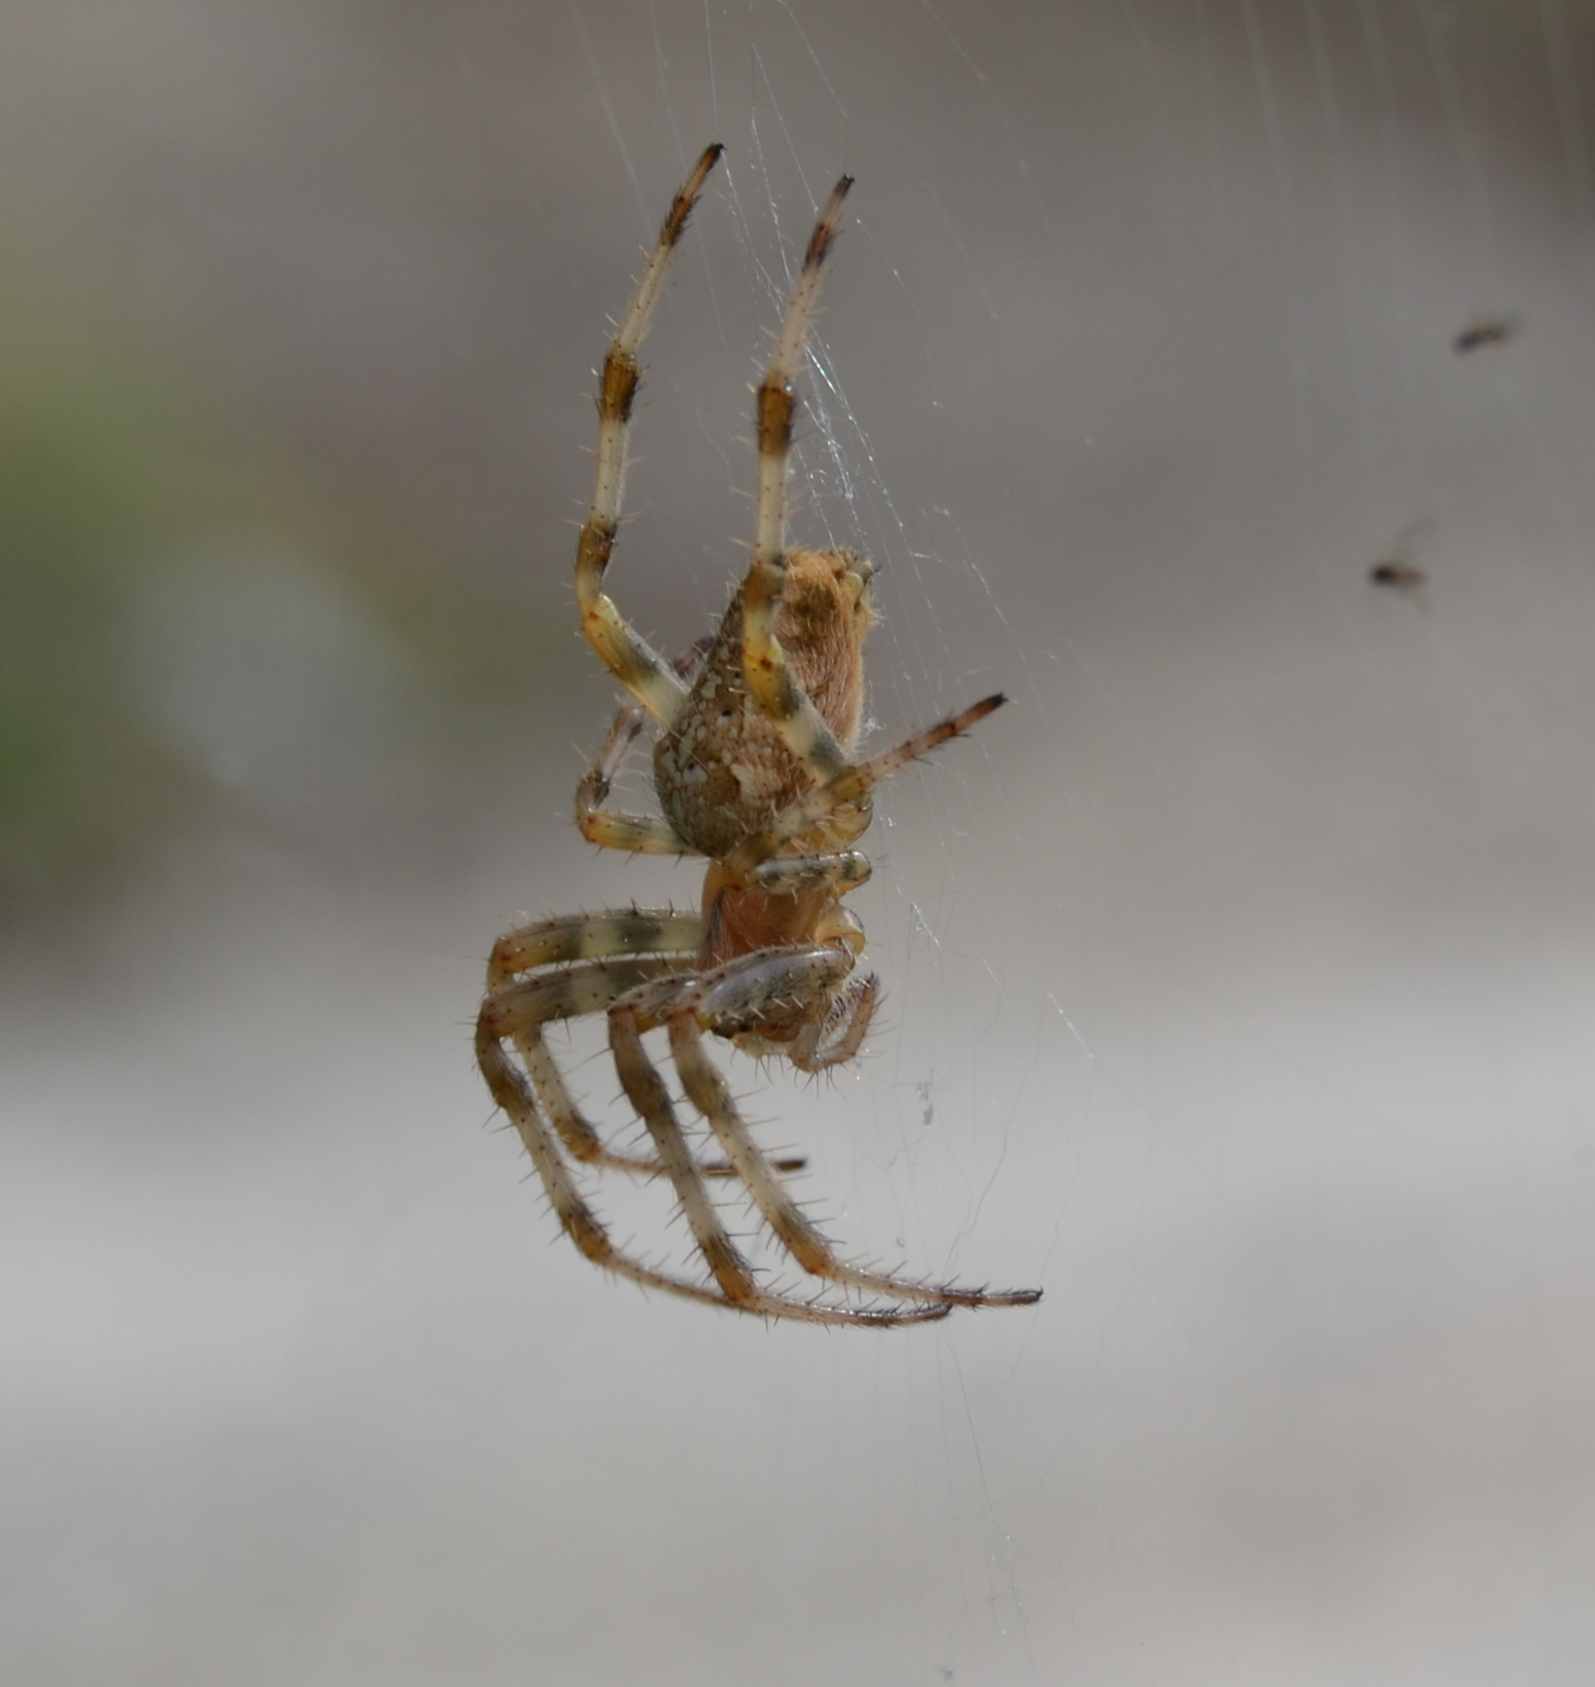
(1239, 976)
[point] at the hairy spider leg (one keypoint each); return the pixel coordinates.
(707, 1091)
(855, 1010)
(733, 993)
(586, 937)
(577, 1219)
(837, 805)
(769, 681)
(623, 650)
(521, 1009)
(637, 834)
(795, 874)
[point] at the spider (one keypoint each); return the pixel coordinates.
(753, 770)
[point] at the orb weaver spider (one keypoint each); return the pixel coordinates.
(753, 769)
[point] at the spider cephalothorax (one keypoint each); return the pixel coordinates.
(753, 769)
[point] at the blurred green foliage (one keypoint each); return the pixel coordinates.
(147, 537)
(85, 510)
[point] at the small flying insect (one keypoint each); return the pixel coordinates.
(1486, 331)
(1404, 576)
(1396, 569)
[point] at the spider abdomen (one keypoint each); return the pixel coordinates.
(723, 770)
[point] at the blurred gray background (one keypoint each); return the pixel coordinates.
(1239, 975)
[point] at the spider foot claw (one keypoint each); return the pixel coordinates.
(989, 1297)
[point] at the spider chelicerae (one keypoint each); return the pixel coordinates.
(753, 769)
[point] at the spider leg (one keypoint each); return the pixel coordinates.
(637, 834)
(858, 1005)
(837, 872)
(739, 1288)
(520, 1010)
(577, 1219)
(585, 937)
(797, 1234)
(620, 647)
(746, 993)
(769, 681)
(839, 804)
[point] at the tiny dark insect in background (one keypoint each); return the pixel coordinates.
(1404, 576)
(1487, 331)
(1395, 568)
